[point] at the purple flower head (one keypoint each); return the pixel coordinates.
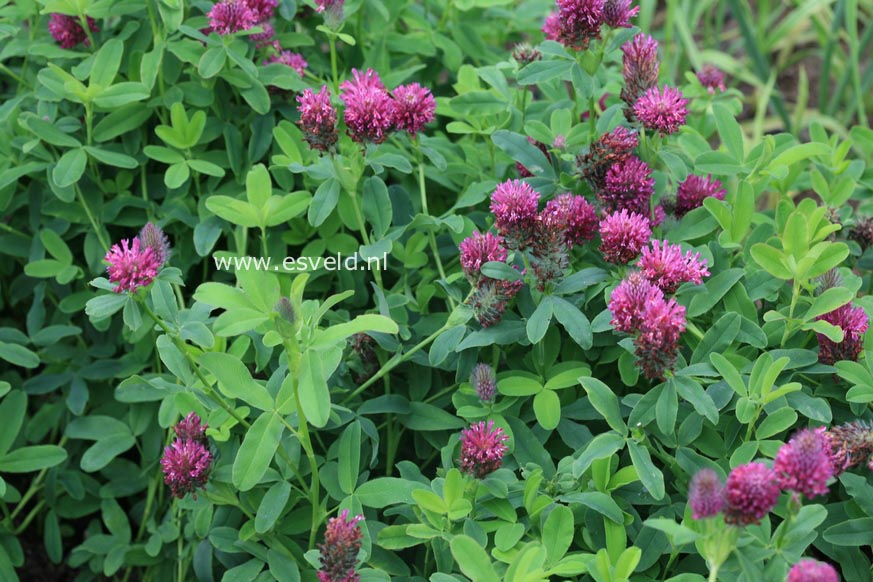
(579, 21)
(711, 78)
(664, 265)
(628, 185)
(851, 445)
(152, 237)
(662, 110)
(694, 190)
(186, 466)
(706, 494)
(262, 9)
(478, 249)
(482, 449)
(611, 148)
(191, 429)
(560, 142)
(628, 302)
(131, 265)
(524, 54)
(812, 571)
(230, 16)
(293, 60)
(414, 107)
(661, 324)
(572, 215)
(552, 26)
(751, 492)
(624, 234)
(67, 30)
(804, 464)
(524, 172)
(854, 323)
(514, 205)
(640, 68)
(339, 552)
(369, 113)
(484, 382)
(617, 13)
(265, 38)
(490, 298)
(317, 119)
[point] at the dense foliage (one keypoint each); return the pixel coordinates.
(552, 294)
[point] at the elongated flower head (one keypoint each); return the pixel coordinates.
(339, 552)
(317, 119)
(694, 190)
(131, 265)
(617, 13)
(262, 9)
(67, 30)
(482, 449)
(611, 148)
(525, 54)
(706, 494)
(664, 265)
(624, 234)
(186, 466)
(490, 298)
(805, 464)
(332, 10)
(522, 170)
(712, 78)
(478, 249)
(265, 38)
(862, 232)
(657, 344)
(662, 110)
(151, 236)
(514, 205)
(812, 571)
(293, 60)
(854, 323)
(628, 302)
(751, 492)
(628, 185)
(230, 16)
(572, 215)
(640, 68)
(829, 280)
(549, 252)
(369, 112)
(414, 107)
(851, 445)
(484, 382)
(190, 428)
(579, 21)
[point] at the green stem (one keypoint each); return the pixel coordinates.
(713, 574)
(422, 189)
(18, 78)
(97, 230)
(180, 565)
(795, 294)
(33, 513)
(333, 68)
(83, 21)
(394, 362)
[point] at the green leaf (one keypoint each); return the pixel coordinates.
(18, 355)
(599, 502)
(324, 201)
(545, 70)
(650, 476)
(574, 322)
(234, 379)
(472, 559)
(349, 459)
(176, 175)
(718, 337)
(106, 63)
(781, 420)
(50, 134)
(828, 301)
(771, 260)
(13, 408)
(694, 393)
(212, 62)
(271, 506)
(538, 324)
(547, 408)
(605, 402)
(122, 94)
(854, 533)
(235, 211)
(558, 533)
(29, 459)
(112, 158)
(524, 152)
(384, 491)
(312, 389)
(729, 373)
(104, 306)
(518, 386)
(70, 167)
(729, 130)
(678, 534)
(259, 186)
(257, 450)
